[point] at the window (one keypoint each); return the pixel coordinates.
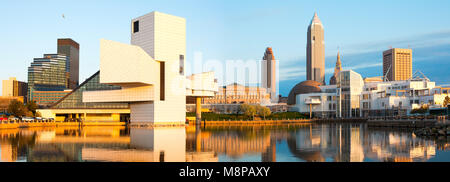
(181, 64)
(162, 81)
(136, 26)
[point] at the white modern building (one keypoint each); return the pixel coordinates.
(150, 72)
(400, 97)
(352, 97)
(340, 100)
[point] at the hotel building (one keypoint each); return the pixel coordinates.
(48, 74)
(397, 64)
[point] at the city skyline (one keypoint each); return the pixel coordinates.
(239, 34)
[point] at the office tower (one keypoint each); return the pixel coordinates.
(337, 69)
(315, 51)
(14, 88)
(71, 49)
(268, 74)
(47, 74)
(397, 64)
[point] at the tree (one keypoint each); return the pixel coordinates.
(422, 110)
(263, 111)
(446, 101)
(17, 108)
(32, 106)
(249, 110)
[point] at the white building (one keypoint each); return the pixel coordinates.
(351, 97)
(151, 71)
(400, 97)
(341, 100)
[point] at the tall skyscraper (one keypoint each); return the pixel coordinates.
(315, 51)
(337, 69)
(47, 74)
(397, 64)
(14, 88)
(268, 74)
(72, 50)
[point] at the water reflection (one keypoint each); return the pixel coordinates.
(271, 143)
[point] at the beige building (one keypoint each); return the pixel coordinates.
(14, 88)
(315, 51)
(239, 94)
(397, 64)
(268, 76)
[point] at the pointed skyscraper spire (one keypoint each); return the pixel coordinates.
(338, 63)
(337, 69)
(316, 19)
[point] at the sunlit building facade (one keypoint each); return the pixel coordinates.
(398, 98)
(315, 51)
(71, 49)
(48, 74)
(72, 105)
(269, 74)
(397, 64)
(14, 88)
(340, 100)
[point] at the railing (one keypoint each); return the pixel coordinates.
(29, 121)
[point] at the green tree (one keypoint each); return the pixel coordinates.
(17, 108)
(32, 106)
(249, 110)
(263, 111)
(446, 101)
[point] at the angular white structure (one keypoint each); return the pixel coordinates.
(150, 71)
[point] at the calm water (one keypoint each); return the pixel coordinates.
(292, 143)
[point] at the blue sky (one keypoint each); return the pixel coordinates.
(232, 29)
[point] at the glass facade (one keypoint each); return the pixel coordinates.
(74, 100)
(47, 74)
(349, 86)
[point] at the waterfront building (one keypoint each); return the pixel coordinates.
(71, 49)
(14, 88)
(313, 98)
(151, 83)
(268, 74)
(398, 98)
(350, 85)
(340, 100)
(397, 64)
(315, 51)
(337, 69)
(239, 94)
(72, 105)
(45, 98)
(352, 97)
(229, 98)
(48, 73)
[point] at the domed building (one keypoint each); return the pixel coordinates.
(305, 87)
(312, 98)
